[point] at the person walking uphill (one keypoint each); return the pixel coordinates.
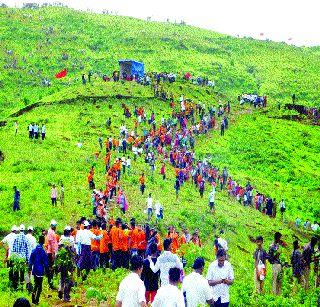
(38, 264)
(149, 206)
(195, 287)
(132, 290)
(66, 266)
(142, 181)
(150, 279)
(54, 195)
(165, 262)
(296, 262)
(52, 248)
(16, 199)
(83, 238)
(169, 295)
(21, 250)
(307, 254)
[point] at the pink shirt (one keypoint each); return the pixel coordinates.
(52, 246)
(54, 193)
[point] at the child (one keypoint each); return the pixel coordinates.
(260, 256)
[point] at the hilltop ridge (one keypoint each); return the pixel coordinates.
(36, 44)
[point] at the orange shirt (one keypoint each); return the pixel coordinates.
(142, 180)
(116, 237)
(107, 158)
(105, 240)
(125, 240)
(134, 238)
(199, 179)
(95, 244)
(159, 242)
(175, 243)
(90, 177)
(183, 240)
(142, 244)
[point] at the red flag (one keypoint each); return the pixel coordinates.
(61, 74)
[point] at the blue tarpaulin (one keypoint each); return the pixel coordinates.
(131, 68)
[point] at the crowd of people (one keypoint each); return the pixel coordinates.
(36, 131)
(90, 245)
(157, 264)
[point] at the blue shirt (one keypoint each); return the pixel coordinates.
(17, 196)
(38, 262)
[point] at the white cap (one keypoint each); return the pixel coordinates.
(86, 224)
(30, 228)
(53, 223)
(67, 227)
(14, 228)
(22, 227)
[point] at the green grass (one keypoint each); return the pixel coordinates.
(237, 65)
(279, 157)
(33, 166)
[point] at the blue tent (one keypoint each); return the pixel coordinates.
(131, 68)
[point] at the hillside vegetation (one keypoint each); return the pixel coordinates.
(34, 166)
(279, 157)
(36, 44)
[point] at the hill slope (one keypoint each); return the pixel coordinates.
(36, 44)
(33, 166)
(279, 157)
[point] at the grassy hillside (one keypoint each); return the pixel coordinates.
(279, 157)
(33, 166)
(36, 44)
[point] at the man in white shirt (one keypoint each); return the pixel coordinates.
(165, 262)
(169, 295)
(132, 290)
(220, 276)
(149, 206)
(158, 208)
(8, 240)
(43, 132)
(31, 239)
(211, 200)
(83, 238)
(195, 287)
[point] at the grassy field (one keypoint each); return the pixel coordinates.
(36, 44)
(34, 166)
(280, 157)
